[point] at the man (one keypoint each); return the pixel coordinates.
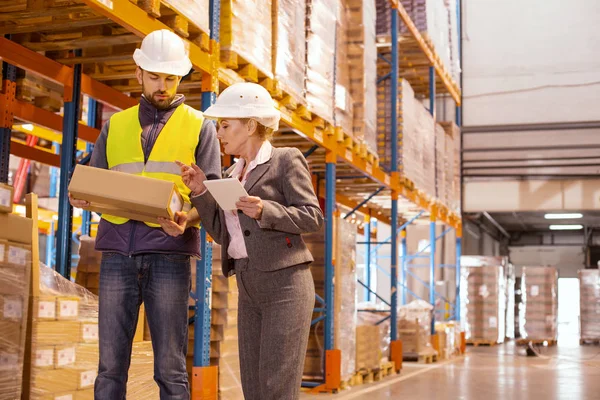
(145, 262)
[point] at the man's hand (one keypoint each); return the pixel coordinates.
(252, 206)
(193, 177)
(78, 203)
(174, 228)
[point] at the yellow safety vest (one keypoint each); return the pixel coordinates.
(177, 141)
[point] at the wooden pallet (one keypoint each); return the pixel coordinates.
(385, 369)
(477, 343)
(583, 342)
(421, 358)
(537, 342)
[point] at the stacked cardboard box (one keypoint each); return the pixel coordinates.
(362, 54)
(589, 289)
(382, 343)
(289, 46)
(15, 269)
(452, 165)
(539, 288)
(368, 348)
(415, 130)
(484, 302)
(321, 21)
(414, 327)
(88, 268)
(344, 105)
(447, 338)
(224, 350)
(246, 30)
(345, 318)
(6, 198)
(441, 167)
(195, 11)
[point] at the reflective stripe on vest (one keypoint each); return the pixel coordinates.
(177, 140)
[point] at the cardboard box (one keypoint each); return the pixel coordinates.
(16, 229)
(61, 380)
(43, 357)
(65, 356)
(12, 281)
(67, 308)
(88, 332)
(84, 394)
(55, 332)
(87, 354)
(12, 307)
(6, 198)
(44, 308)
(10, 334)
(3, 250)
(125, 195)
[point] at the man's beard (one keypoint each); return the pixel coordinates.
(159, 104)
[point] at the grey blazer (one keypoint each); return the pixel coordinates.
(290, 208)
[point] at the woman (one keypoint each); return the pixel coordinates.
(262, 243)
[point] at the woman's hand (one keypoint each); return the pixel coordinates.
(78, 203)
(193, 177)
(252, 206)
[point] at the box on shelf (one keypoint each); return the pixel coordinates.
(6, 198)
(125, 195)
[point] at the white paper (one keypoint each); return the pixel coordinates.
(44, 358)
(535, 290)
(483, 291)
(18, 256)
(2, 251)
(176, 204)
(13, 308)
(87, 379)
(46, 310)
(493, 322)
(8, 361)
(65, 356)
(226, 192)
(68, 308)
(65, 397)
(4, 197)
(90, 332)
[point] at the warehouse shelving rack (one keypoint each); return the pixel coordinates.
(358, 174)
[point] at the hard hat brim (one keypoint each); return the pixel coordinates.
(177, 68)
(217, 111)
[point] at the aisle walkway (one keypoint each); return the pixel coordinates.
(567, 372)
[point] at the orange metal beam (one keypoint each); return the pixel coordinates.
(29, 60)
(35, 115)
(35, 154)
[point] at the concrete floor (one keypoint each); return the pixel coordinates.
(567, 372)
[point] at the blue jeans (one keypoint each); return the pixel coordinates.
(162, 282)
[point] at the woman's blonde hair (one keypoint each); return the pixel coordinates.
(263, 132)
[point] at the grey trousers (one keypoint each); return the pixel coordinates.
(275, 311)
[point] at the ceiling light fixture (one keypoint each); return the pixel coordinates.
(565, 227)
(563, 216)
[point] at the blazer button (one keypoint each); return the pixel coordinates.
(247, 232)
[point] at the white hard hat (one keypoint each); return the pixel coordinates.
(163, 51)
(246, 100)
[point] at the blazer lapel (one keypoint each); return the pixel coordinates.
(229, 171)
(256, 174)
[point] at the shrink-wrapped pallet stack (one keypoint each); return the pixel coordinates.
(589, 289)
(539, 291)
(372, 337)
(414, 327)
(452, 165)
(344, 104)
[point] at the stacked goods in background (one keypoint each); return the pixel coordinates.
(510, 299)
(448, 338)
(416, 157)
(414, 327)
(88, 268)
(436, 20)
(483, 302)
(194, 11)
(344, 105)
(15, 270)
(452, 165)
(62, 351)
(589, 289)
(345, 315)
(441, 165)
(539, 290)
(289, 46)
(372, 337)
(362, 55)
(321, 22)
(246, 33)
(224, 350)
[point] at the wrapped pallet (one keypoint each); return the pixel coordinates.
(589, 289)
(246, 32)
(345, 296)
(321, 21)
(440, 164)
(414, 327)
(452, 165)
(194, 11)
(344, 106)
(362, 54)
(372, 337)
(416, 135)
(62, 353)
(289, 46)
(539, 291)
(15, 270)
(483, 303)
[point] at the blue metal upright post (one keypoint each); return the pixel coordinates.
(329, 218)
(210, 86)
(368, 255)
(458, 278)
(432, 91)
(404, 266)
(432, 247)
(67, 163)
(8, 91)
(86, 216)
(394, 168)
